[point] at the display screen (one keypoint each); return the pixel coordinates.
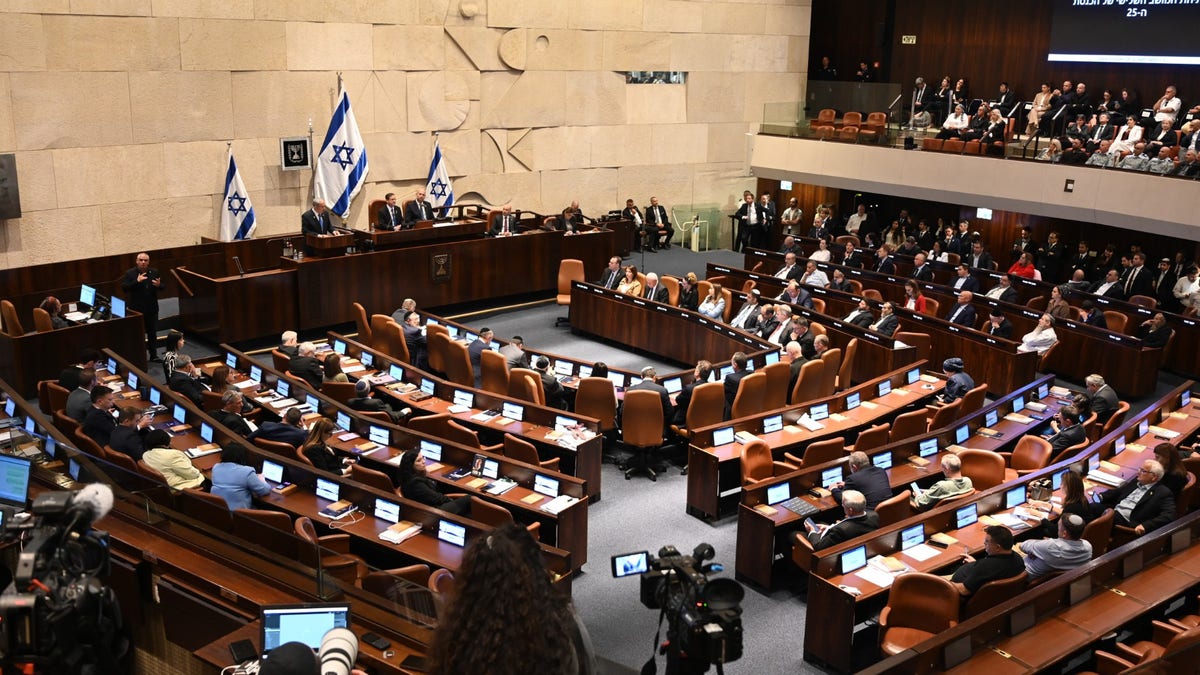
(1122, 32)
(961, 434)
(1014, 497)
(883, 460)
(928, 447)
(512, 411)
(819, 412)
(256, 374)
(853, 400)
(913, 375)
(464, 398)
(428, 385)
(779, 493)
(343, 421)
(327, 489)
(87, 295)
(829, 477)
(545, 485)
(912, 536)
(272, 471)
(118, 308)
(378, 435)
(1018, 404)
(772, 423)
(991, 418)
(432, 452)
(389, 511)
(855, 558)
(885, 388)
(206, 432)
(452, 533)
(723, 436)
(339, 347)
(965, 516)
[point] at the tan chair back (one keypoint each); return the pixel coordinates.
(973, 400)
(993, 593)
(757, 463)
(919, 340)
(494, 370)
(909, 424)
(825, 451)
(362, 323)
(458, 364)
(378, 340)
(707, 406)
(895, 509)
(371, 478)
(598, 399)
(846, 372)
(642, 419)
(41, 320)
(873, 437)
(751, 395)
(12, 323)
(436, 338)
(984, 467)
(1099, 532)
(945, 415)
(526, 384)
(569, 270)
(808, 382)
(833, 364)
(338, 391)
(776, 391)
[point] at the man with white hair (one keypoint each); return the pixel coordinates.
(858, 521)
(307, 366)
(1142, 502)
(287, 342)
(1103, 398)
(654, 290)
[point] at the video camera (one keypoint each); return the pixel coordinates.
(704, 617)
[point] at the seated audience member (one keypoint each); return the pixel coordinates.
(658, 218)
(1187, 290)
(700, 375)
(1003, 290)
(565, 222)
(768, 323)
(331, 368)
(80, 398)
(1161, 137)
(1052, 152)
(1068, 551)
(997, 128)
(173, 464)
(415, 484)
(1103, 399)
(977, 126)
(865, 478)
(288, 344)
(389, 217)
(747, 317)
(796, 295)
(514, 353)
(1154, 332)
(475, 351)
(128, 437)
(1041, 338)
(644, 234)
(1024, 267)
(908, 247)
(415, 340)
(1102, 131)
(1078, 282)
(914, 300)
(1057, 306)
(306, 366)
(99, 423)
(551, 387)
(999, 562)
(1138, 160)
(858, 521)
(822, 254)
(406, 306)
(1091, 315)
(861, 315)
(794, 357)
(316, 448)
(997, 325)
(850, 257)
(235, 481)
(1067, 429)
(962, 313)
(813, 276)
(954, 124)
(654, 290)
(69, 377)
(648, 384)
(1162, 163)
(1110, 287)
(713, 305)
(504, 223)
(1142, 502)
(885, 264)
(1101, 156)
(734, 379)
(958, 382)
(1075, 154)
(364, 401)
(790, 245)
(797, 330)
(839, 282)
(953, 485)
(789, 270)
(630, 284)
(53, 307)
(857, 219)
(1175, 474)
(612, 273)
(230, 413)
(600, 369)
(964, 281)
(1189, 167)
(887, 323)
(175, 342)
(1127, 137)
(289, 430)
(688, 294)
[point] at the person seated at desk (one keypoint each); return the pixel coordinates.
(1142, 502)
(963, 313)
(186, 380)
(173, 464)
(858, 521)
(964, 281)
(1041, 338)
(656, 217)
(1091, 315)
(415, 484)
(612, 273)
(654, 290)
(289, 431)
(306, 366)
(700, 375)
(389, 217)
(998, 326)
(734, 380)
(1110, 287)
(331, 368)
(1067, 429)
(865, 479)
(553, 389)
(230, 413)
(504, 224)
(235, 481)
(1103, 398)
(288, 343)
(813, 276)
(475, 349)
(565, 222)
(1154, 331)
(646, 237)
(316, 220)
(914, 300)
(417, 210)
(1003, 290)
(861, 316)
(408, 305)
(648, 384)
(887, 323)
(688, 295)
(790, 246)
(1057, 306)
(748, 316)
(69, 377)
(1000, 562)
(1175, 474)
(1068, 551)
(80, 398)
(713, 305)
(953, 485)
(514, 353)
(316, 448)
(415, 339)
(99, 422)
(796, 295)
(128, 437)
(1024, 267)
(630, 284)
(958, 382)
(790, 270)
(53, 307)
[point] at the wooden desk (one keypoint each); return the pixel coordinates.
(423, 232)
(328, 245)
(236, 308)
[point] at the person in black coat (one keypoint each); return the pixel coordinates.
(389, 217)
(141, 285)
(185, 380)
(1092, 315)
(307, 366)
(288, 431)
(416, 341)
(654, 290)
(129, 435)
(416, 485)
(98, 423)
(1154, 332)
(363, 401)
(316, 448)
(886, 264)
(858, 521)
(689, 297)
(998, 326)
(1068, 430)
(865, 478)
(418, 209)
(734, 380)
(1155, 506)
(648, 384)
(683, 399)
(958, 382)
(551, 387)
(230, 414)
(962, 313)
(316, 220)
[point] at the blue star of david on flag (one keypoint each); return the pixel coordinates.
(237, 218)
(343, 161)
(437, 186)
(342, 165)
(237, 204)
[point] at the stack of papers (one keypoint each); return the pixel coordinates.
(202, 450)
(1018, 418)
(1163, 433)
(400, 532)
(559, 503)
(808, 423)
(501, 486)
(1106, 478)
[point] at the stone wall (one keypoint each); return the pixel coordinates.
(119, 110)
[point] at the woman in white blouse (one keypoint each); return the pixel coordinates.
(1041, 103)
(1041, 338)
(822, 254)
(1127, 137)
(954, 124)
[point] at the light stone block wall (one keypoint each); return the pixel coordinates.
(119, 111)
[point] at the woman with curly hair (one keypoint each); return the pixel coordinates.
(505, 618)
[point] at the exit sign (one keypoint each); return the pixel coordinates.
(908, 39)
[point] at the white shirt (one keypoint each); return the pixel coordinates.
(855, 222)
(783, 271)
(817, 278)
(1187, 291)
(746, 312)
(1034, 341)
(820, 256)
(995, 291)
(1161, 115)
(957, 121)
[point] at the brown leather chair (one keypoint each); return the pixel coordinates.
(275, 447)
(338, 391)
(1166, 642)
(945, 415)
(1143, 301)
(1069, 451)
(372, 478)
(808, 382)
(497, 516)
(378, 341)
(526, 384)
(1030, 454)
(908, 425)
(819, 453)
(818, 305)
(88, 445)
(437, 340)
(919, 607)
(56, 396)
(443, 426)
(336, 558)
(846, 371)
(211, 400)
(394, 343)
(280, 361)
(151, 472)
(12, 323)
(973, 400)
(993, 593)
(932, 307)
(827, 117)
(458, 364)
(266, 527)
(932, 144)
(871, 438)
(493, 368)
(597, 398)
(362, 323)
(642, 429)
(921, 341)
(895, 509)
(706, 408)
(776, 391)
(65, 424)
(874, 126)
(1116, 321)
(750, 396)
(406, 587)
(569, 270)
(1098, 532)
(1113, 422)
(124, 461)
(758, 464)
(524, 451)
(42, 323)
(442, 586)
(833, 364)
(984, 467)
(954, 145)
(672, 286)
(207, 508)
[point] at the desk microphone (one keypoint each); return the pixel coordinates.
(238, 262)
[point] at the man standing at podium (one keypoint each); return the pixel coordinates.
(141, 285)
(389, 217)
(418, 209)
(316, 220)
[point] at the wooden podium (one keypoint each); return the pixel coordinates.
(328, 246)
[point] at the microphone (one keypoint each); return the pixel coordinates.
(339, 651)
(238, 262)
(94, 501)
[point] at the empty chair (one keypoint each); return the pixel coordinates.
(993, 593)
(954, 145)
(338, 391)
(984, 467)
(895, 509)
(207, 508)
(371, 478)
(597, 398)
(570, 270)
(706, 408)
(871, 438)
(524, 451)
(1032, 453)
(56, 397)
(672, 286)
(973, 400)
(441, 584)
(526, 384)
(377, 340)
(336, 558)
(846, 371)
(932, 307)
(280, 361)
(458, 364)
(825, 118)
(362, 323)
(65, 424)
(437, 337)
(497, 516)
(808, 383)
(1115, 421)
(919, 340)
(776, 391)
(872, 294)
(406, 587)
(1143, 301)
(819, 453)
(1098, 532)
(945, 415)
(494, 370)
(932, 144)
(642, 429)
(12, 323)
(833, 364)
(758, 464)
(919, 607)
(908, 425)
(1116, 321)
(874, 126)
(750, 396)
(267, 528)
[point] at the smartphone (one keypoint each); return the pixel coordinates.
(414, 662)
(376, 641)
(243, 651)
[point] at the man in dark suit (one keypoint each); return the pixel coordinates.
(964, 281)
(767, 322)
(887, 323)
(1104, 399)
(1164, 285)
(141, 285)
(504, 224)
(753, 220)
(551, 387)
(414, 339)
(962, 313)
(861, 316)
(305, 365)
(1142, 502)
(1154, 332)
(998, 326)
(683, 399)
(389, 217)
(230, 413)
(69, 377)
(839, 282)
(885, 263)
(186, 378)
(364, 401)
(1092, 315)
(475, 349)
(1082, 260)
(858, 521)
(1005, 99)
(648, 384)
(418, 209)
(850, 256)
(612, 273)
(979, 258)
(289, 343)
(316, 219)
(654, 290)
(734, 380)
(865, 478)
(790, 269)
(129, 434)
(1025, 244)
(1068, 429)
(288, 431)
(748, 316)
(958, 382)
(1103, 131)
(98, 423)
(1003, 290)
(921, 271)
(657, 217)
(1110, 286)
(645, 235)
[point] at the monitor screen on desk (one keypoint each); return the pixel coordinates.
(1043, 391)
(564, 368)
(452, 533)
(966, 515)
(726, 371)
(343, 420)
(283, 388)
(231, 360)
(396, 372)
(327, 489)
(51, 447)
(912, 536)
(771, 357)
(991, 418)
(1185, 399)
(831, 476)
(367, 359)
(112, 365)
(30, 425)
(388, 511)
(87, 295)
(512, 411)
(673, 385)
(464, 398)
(1143, 427)
(428, 386)
(1014, 497)
(432, 452)
(618, 379)
(491, 469)
(1018, 403)
(313, 402)
(855, 558)
(853, 400)
(118, 308)
(882, 460)
(155, 396)
(913, 375)
(1093, 463)
(961, 434)
(339, 347)
(10, 407)
(14, 480)
(206, 432)
(585, 371)
(1057, 479)
(272, 471)
(179, 413)
(819, 412)
(378, 435)
(256, 374)
(73, 469)
(779, 493)
(562, 422)
(723, 436)
(306, 624)
(772, 424)
(885, 388)
(1119, 445)
(545, 485)
(453, 330)
(132, 380)
(928, 447)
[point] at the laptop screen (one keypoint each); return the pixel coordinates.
(928, 447)
(512, 411)
(885, 388)
(452, 533)
(855, 558)
(396, 372)
(1043, 391)
(389, 511)
(965, 516)
(1093, 463)
(852, 400)
(206, 432)
(118, 308)
(256, 374)
(327, 489)
(772, 423)
(1014, 497)
(428, 386)
(1018, 403)
(961, 434)
(912, 536)
(913, 375)
(831, 476)
(379, 435)
(1056, 480)
(432, 452)
(491, 469)
(464, 398)
(367, 359)
(673, 385)
(272, 471)
(339, 346)
(564, 368)
(819, 412)
(14, 480)
(545, 485)
(779, 493)
(723, 436)
(883, 460)
(307, 623)
(1185, 399)
(73, 469)
(112, 365)
(155, 396)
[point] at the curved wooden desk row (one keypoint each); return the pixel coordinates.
(537, 427)
(566, 530)
(831, 640)
(988, 359)
(424, 547)
(714, 471)
(760, 535)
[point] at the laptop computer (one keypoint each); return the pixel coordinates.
(306, 623)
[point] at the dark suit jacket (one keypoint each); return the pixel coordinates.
(1154, 338)
(307, 367)
(127, 440)
(682, 400)
(984, 262)
(889, 325)
(1104, 403)
(412, 211)
(761, 214)
(310, 224)
(498, 224)
(233, 421)
(278, 431)
(886, 266)
(845, 530)
(923, 273)
(994, 132)
(1096, 318)
(862, 320)
(190, 387)
(870, 480)
(664, 397)
(1066, 437)
(474, 350)
(385, 218)
(1155, 509)
(1116, 291)
(610, 279)
(732, 382)
(1008, 295)
(658, 293)
(844, 286)
(98, 425)
(970, 283)
(658, 216)
(966, 317)
(418, 346)
(1004, 330)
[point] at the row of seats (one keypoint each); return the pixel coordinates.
(12, 322)
(851, 127)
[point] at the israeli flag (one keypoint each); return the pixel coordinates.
(237, 215)
(342, 163)
(438, 189)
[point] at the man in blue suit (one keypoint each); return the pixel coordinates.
(962, 313)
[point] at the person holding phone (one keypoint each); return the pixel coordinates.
(141, 286)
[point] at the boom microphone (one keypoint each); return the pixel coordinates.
(339, 651)
(94, 501)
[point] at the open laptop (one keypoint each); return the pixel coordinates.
(306, 623)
